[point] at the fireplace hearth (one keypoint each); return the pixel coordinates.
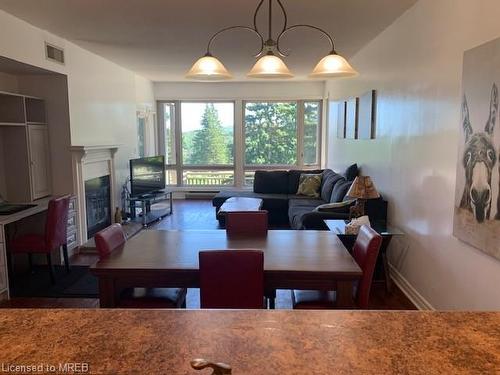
(98, 204)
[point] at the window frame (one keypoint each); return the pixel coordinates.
(239, 167)
(300, 124)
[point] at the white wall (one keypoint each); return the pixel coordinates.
(238, 90)
(416, 66)
(103, 97)
(8, 82)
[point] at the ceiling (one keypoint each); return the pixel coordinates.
(160, 39)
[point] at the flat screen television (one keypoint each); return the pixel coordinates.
(147, 175)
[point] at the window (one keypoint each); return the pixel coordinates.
(312, 127)
(207, 133)
(203, 141)
(141, 136)
(270, 133)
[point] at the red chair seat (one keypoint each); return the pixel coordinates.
(153, 298)
(29, 243)
(313, 299)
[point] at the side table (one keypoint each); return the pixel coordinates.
(386, 231)
(145, 201)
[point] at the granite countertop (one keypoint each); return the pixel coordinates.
(253, 342)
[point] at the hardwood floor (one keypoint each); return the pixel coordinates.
(199, 214)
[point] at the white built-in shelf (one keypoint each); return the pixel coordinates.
(21, 110)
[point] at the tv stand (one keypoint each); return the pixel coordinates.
(144, 202)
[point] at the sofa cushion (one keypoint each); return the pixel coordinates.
(306, 202)
(309, 185)
(271, 182)
(330, 178)
(294, 177)
(340, 190)
(351, 172)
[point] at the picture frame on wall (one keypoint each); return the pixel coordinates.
(341, 119)
(351, 121)
(367, 115)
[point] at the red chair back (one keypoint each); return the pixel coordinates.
(109, 239)
(365, 252)
(57, 222)
(232, 279)
(246, 223)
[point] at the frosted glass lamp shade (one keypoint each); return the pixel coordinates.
(270, 66)
(208, 68)
(333, 66)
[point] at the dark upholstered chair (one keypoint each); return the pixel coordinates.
(111, 239)
(232, 279)
(365, 252)
(246, 223)
(54, 237)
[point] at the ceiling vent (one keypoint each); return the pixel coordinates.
(54, 53)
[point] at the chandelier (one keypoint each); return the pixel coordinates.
(269, 59)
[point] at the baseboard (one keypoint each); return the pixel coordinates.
(413, 295)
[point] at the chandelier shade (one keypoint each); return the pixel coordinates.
(333, 66)
(270, 66)
(208, 68)
(269, 62)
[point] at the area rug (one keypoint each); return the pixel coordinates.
(79, 283)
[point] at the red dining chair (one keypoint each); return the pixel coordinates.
(365, 253)
(246, 223)
(109, 240)
(231, 279)
(54, 237)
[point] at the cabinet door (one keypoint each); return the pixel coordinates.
(39, 161)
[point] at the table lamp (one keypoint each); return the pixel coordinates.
(362, 189)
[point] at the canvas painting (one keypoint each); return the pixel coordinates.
(477, 201)
(341, 119)
(366, 122)
(351, 119)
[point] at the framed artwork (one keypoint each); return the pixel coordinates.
(351, 118)
(367, 115)
(477, 202)
(341, 119)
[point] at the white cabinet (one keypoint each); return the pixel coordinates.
(38, 142)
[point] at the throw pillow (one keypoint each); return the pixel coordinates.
(340, 190)
(309, 185)
(351, 172)
(330, 178)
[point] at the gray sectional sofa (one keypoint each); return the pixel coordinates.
(278, 191)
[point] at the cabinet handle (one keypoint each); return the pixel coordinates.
(219, 368)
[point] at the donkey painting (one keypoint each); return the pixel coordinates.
(479, 158)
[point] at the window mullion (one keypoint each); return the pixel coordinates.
(300, 133)
(178, 142)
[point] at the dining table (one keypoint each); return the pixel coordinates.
(303, 260)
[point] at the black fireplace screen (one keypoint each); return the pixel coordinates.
(97, 204)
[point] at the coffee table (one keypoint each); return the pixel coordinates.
(238, 204)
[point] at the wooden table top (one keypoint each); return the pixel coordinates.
(254, 342)
(284, 250)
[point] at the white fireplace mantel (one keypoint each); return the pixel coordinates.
(89, 162)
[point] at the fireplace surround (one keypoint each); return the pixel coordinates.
(89, 163)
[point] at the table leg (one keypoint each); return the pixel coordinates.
(171, 204)
(344, 294)
(385, 262)
(144, 213)
(106, 292)
(271, 297)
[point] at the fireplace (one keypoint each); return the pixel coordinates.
(93, 167)
(98, 204)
